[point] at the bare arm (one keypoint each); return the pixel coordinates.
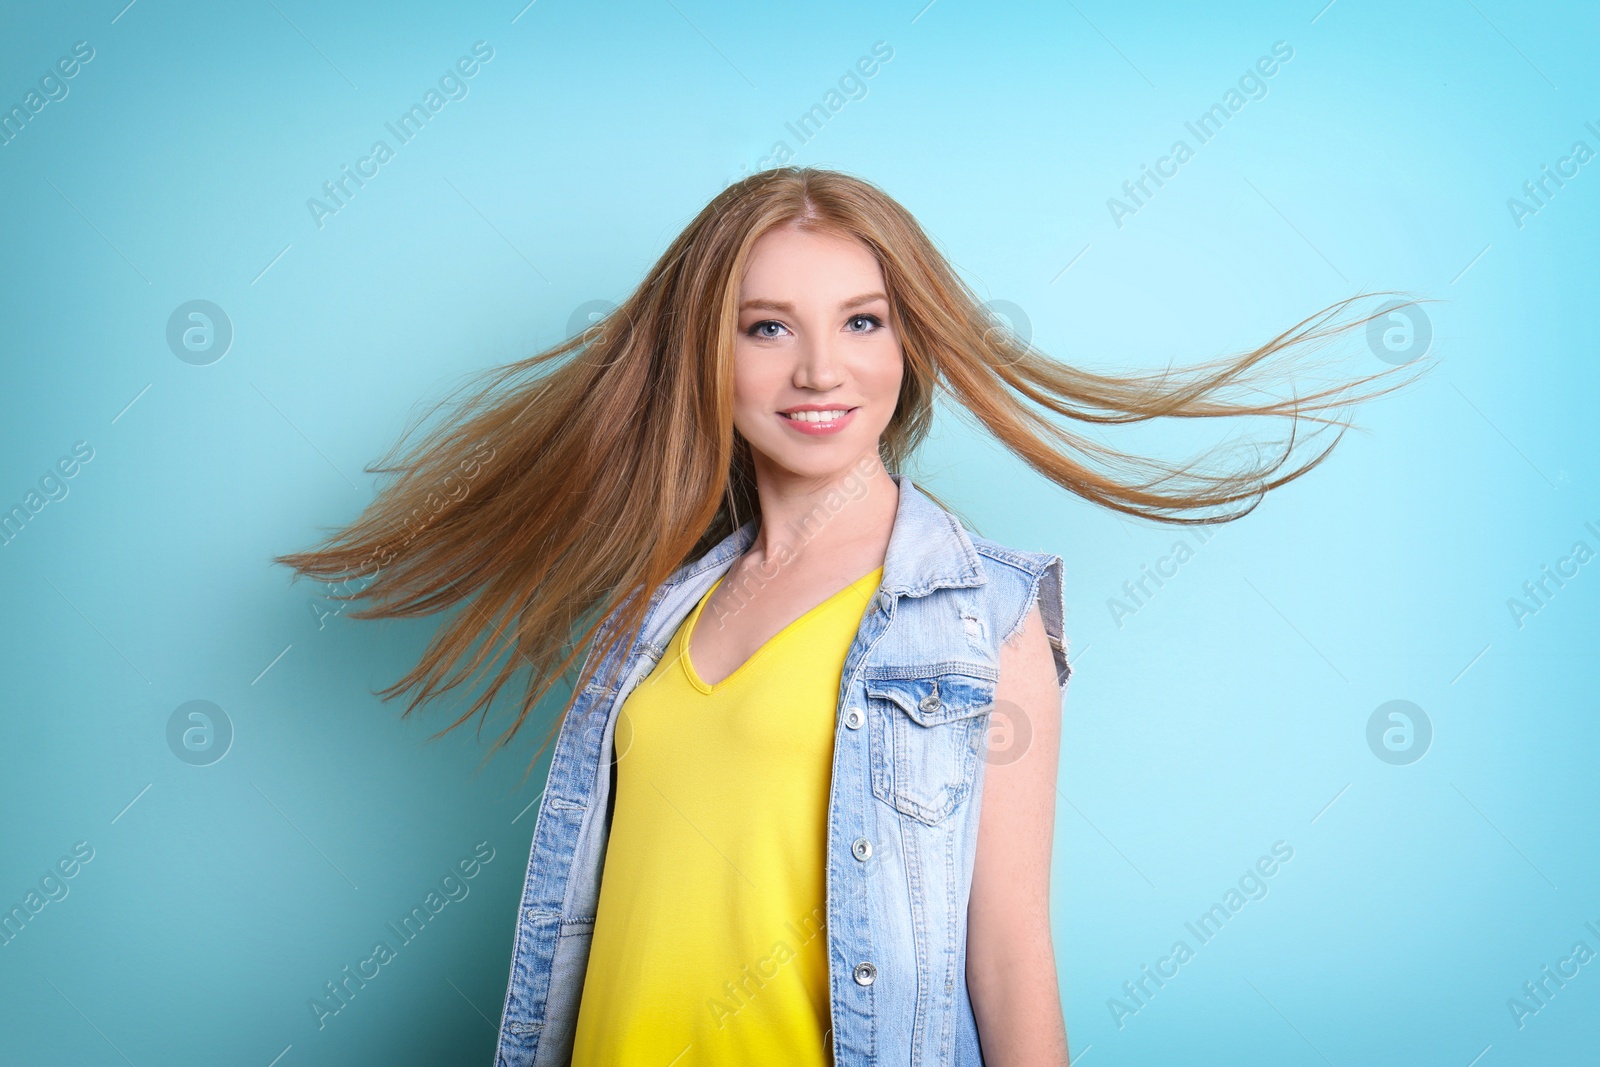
(1011, 968)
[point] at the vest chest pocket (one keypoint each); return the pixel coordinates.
(926, 736)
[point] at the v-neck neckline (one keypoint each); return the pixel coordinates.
(688, 634)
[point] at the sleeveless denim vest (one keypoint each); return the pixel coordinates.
(911, 730)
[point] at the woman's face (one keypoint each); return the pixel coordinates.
(814, 336)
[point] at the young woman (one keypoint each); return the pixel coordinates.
(774, 828)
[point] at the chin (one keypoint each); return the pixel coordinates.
(818, 462)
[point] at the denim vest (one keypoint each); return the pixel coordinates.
(908, 764)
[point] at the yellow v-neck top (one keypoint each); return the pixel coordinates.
(710, 945)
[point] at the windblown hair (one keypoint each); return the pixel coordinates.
(569, 485)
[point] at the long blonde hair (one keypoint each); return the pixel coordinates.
(569, 485)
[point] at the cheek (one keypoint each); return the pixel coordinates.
(755, 383)
(747, 377)
(885, 373)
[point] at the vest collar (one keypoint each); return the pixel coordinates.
(928, 549)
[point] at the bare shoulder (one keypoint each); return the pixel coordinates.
(1027, 666)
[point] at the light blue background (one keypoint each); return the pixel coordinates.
(1227, 714)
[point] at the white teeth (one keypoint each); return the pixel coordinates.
(816, 416)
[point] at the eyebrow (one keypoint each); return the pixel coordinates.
(780, 305)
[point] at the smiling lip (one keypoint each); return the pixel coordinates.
(818, 428)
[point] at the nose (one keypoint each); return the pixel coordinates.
(819, 365)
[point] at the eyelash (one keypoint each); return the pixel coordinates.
(751, 332)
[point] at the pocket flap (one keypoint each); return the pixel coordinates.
(937, 698)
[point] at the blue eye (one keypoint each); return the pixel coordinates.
(756, 329)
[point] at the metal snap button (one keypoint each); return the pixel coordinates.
(862, 848)
(865, 973)
(853, 718)
(929, 702)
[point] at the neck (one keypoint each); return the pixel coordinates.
(845, 515)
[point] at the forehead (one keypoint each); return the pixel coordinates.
(788, 262)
